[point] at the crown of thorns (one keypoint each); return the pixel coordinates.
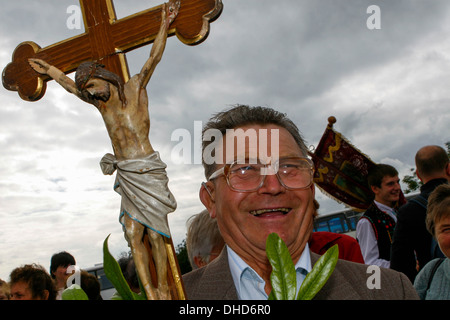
(93, 69)
(95, 66)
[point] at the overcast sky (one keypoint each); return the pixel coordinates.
(388, 89)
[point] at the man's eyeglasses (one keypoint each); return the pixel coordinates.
(292, 173)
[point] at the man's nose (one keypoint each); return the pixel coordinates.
(272, 184)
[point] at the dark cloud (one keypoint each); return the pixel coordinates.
(310, 59)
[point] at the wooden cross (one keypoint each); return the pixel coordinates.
(106, 39)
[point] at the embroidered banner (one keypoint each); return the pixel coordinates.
(341, 169)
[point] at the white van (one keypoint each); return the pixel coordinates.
(106, 288)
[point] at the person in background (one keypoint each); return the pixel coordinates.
(321, 241)
(31, 282)
(128, 268)
(375, 228)
(433, 281)
(203, 241)
(5, 290)
(349, 248)
(413, 246)
(58, 270)
(90, 285)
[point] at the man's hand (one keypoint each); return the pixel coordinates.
(39, 65)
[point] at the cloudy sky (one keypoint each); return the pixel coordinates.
(388, 89)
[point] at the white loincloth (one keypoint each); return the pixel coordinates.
(143, 185)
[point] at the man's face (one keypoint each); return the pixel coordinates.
(389, 192)
(235, 211)
(61, 274)
(21, 291)
(442, 230)
(99, 89)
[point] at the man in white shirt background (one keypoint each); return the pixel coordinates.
(375, 228)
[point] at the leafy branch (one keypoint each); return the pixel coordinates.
(114, 274)
(283, 276)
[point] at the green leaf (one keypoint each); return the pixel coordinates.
(74, 292)
(319, 275)
(142, 295)
(114, 274)
(283, 276)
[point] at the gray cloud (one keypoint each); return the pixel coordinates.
(310, 59)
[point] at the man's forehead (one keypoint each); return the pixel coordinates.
(19, 286)
(257, 142)
(387, 179)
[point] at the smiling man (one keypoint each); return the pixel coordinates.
(375, 228)
(254, 204)
(263, 186)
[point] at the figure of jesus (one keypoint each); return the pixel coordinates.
(124, 108)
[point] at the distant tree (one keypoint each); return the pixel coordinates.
(182, 256)
(412, 182)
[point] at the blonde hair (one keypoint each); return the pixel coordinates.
(4, 286)
(202, 236)
(438, 206)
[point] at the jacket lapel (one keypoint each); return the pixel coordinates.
(217, 282)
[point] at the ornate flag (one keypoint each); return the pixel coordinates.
(341, 170)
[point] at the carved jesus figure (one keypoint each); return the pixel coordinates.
(124, 108)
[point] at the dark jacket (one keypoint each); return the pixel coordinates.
(348, 281)
(411, 237)
(383, 226)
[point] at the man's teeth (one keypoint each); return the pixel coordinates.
(262, 211)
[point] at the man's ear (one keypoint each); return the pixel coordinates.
(199, 261)
(207, 193)
(418, 175)
(45, 295)
(374, 189)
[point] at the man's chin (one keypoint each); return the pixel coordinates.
(394, 200)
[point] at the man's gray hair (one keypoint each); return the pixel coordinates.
(242, 115)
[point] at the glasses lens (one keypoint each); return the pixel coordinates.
(245, 176)
(294, 173)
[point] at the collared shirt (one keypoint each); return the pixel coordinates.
(386, 209)
(368, 241)
(250, 286)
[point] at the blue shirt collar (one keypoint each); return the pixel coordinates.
(250, 286)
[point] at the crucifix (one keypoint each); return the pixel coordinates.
(102, 79)
(106, 39)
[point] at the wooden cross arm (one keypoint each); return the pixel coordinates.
(106, 39)
(18, 75)
(192, 24)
